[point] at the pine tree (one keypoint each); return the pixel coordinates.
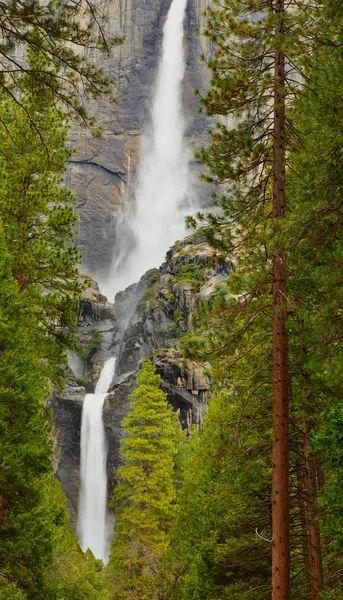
(220, 544)
(257, 66)
(37, 211)
(145, 494)
(313, 229)
(26, 539)
(60, 30)
(310, 230)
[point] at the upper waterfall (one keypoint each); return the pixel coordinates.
(156, 220)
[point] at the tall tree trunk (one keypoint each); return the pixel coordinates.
(280, 487)
(315, 555)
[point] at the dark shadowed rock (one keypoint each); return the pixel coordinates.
(116, 406)
(187, 388)
(67, 411)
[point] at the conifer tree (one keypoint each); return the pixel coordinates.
(145, 494)
(313, 229)
(255, 77)
(60, 30)
(250, 83)
(37, 211)
(25, 450)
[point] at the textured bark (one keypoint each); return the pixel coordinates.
(280, 486)
(315, 555)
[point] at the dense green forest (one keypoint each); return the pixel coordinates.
(250, 506)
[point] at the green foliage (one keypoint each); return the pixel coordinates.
(314, 230)
(147, 297)
(152, 277)
(233, 329)
(25, 532)
(72, 574)
(93, 345)
(61, 31)
(224, 507)
(11, 592)
(38, 215)
(145, 494)
(178, 316)
(189, 273)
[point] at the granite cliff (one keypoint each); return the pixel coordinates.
(147, 319)
(102, 171)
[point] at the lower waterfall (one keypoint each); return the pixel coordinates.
(92, 525)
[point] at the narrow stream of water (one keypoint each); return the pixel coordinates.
(92, 523)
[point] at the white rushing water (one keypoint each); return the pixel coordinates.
(92, 525)
(156, 220)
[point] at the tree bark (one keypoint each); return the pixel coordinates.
(280, 485)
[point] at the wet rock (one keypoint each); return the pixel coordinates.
(166, 299)
(102, 172)
(67, 409)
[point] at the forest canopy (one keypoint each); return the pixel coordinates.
(250, 504)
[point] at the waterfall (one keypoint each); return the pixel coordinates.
(92, 527)
(146, 230)
(156, 221)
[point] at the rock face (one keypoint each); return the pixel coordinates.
(97, 331)
(67, 409)
(102, 171)
(147, 320)
(187, 388)
(165, 300)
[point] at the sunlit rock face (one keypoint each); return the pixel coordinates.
(102, 171)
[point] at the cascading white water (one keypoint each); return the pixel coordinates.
(92, 526)
(162, 195)
(146, 231)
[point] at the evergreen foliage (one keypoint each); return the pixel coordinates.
(233, 327)
(37, 212)
(208, 535)
(25, 451)
(72, 574)
(145, 494)
(60, 30)
(220, 546)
